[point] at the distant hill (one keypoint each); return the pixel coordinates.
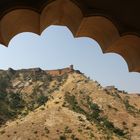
(40, 105)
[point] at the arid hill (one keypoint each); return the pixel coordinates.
(35, 105)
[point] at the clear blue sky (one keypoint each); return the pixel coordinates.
(57, 48)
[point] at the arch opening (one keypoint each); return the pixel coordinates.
(106, 68)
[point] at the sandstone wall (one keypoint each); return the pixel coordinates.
(59, 71)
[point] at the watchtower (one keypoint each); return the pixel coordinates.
(71, 67)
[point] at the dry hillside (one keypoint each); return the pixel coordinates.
(39, 106)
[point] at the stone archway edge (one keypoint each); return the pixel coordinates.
(67, 13)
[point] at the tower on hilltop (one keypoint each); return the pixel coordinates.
(71, 67)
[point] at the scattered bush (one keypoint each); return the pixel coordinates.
(81, 119)
(49, 78)
(59, 78)
(73, 103)
(111, 127)
(42, 108)
(80, 130)
(68, 130)
(62, 137)
(3, 95)
(111, 107)
(124, 123)
(42, 100)
(16, 101)
(93, 113)
(134, 124)
(4, 82)
(73, 137)
(2, 131)
(35, 132)
(46, 130)
(130, 108)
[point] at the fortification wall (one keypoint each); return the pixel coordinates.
(53, 72)
(56, 72)
(59, 71)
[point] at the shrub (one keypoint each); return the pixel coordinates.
(35, 132)
(16, 101)
(3, 95)
(59, 78)
(134, 124)
(111, 127)
(3, 83)
(42, 100)
(68, 130)
(79, 130)
(62, 137)
(73, 103)
(42, 108)
(81, 119)
(93, 113)
(130, 108)
(49, 78)
(73, 137)
(2, 131)
(94, 109)
(46, 130)
(124, 123)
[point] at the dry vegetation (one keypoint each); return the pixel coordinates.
(38, 106)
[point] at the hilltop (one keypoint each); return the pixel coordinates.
(40, 105)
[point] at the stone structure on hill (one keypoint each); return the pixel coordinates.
(110, 88)
(55, 72)
(11, 71)
(61, 71)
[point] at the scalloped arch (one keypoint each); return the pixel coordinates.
(61, 12)
(17, 21)
(67, 13)
(99, 28)
(128, 47)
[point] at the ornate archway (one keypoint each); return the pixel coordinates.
(114, 25)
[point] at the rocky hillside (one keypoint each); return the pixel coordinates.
(35, 105)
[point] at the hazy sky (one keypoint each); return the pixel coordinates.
(57, 48)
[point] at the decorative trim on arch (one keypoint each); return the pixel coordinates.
(67, 13)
